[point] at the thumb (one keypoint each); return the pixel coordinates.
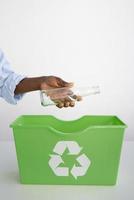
(65, 84)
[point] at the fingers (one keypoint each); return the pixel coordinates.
(66, 102)
(59, 103)
(69, 102)
(76, 97)
(63, 98)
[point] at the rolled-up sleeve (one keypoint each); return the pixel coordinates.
(8, 81)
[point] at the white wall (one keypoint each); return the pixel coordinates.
(88, 42)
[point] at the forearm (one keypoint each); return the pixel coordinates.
(29, 84)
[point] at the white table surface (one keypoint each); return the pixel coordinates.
(11, 189)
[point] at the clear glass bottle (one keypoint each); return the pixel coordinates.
(49, 97)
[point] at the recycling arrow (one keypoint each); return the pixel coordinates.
(81, 171)
(73, 149)
(54, 163)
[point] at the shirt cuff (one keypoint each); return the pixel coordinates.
(9, 87)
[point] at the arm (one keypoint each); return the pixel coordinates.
(8, 81)
(13, 86)
(44, 83)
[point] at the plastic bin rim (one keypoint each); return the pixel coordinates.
(17, 125)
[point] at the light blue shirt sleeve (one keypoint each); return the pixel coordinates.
(8, 81)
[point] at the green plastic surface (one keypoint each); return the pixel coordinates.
(80, 152)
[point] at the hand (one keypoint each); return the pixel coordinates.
(62, 100)
(51, 82)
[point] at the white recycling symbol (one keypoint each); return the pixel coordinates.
(74, 149)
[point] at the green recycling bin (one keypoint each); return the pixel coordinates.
(85, 151)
